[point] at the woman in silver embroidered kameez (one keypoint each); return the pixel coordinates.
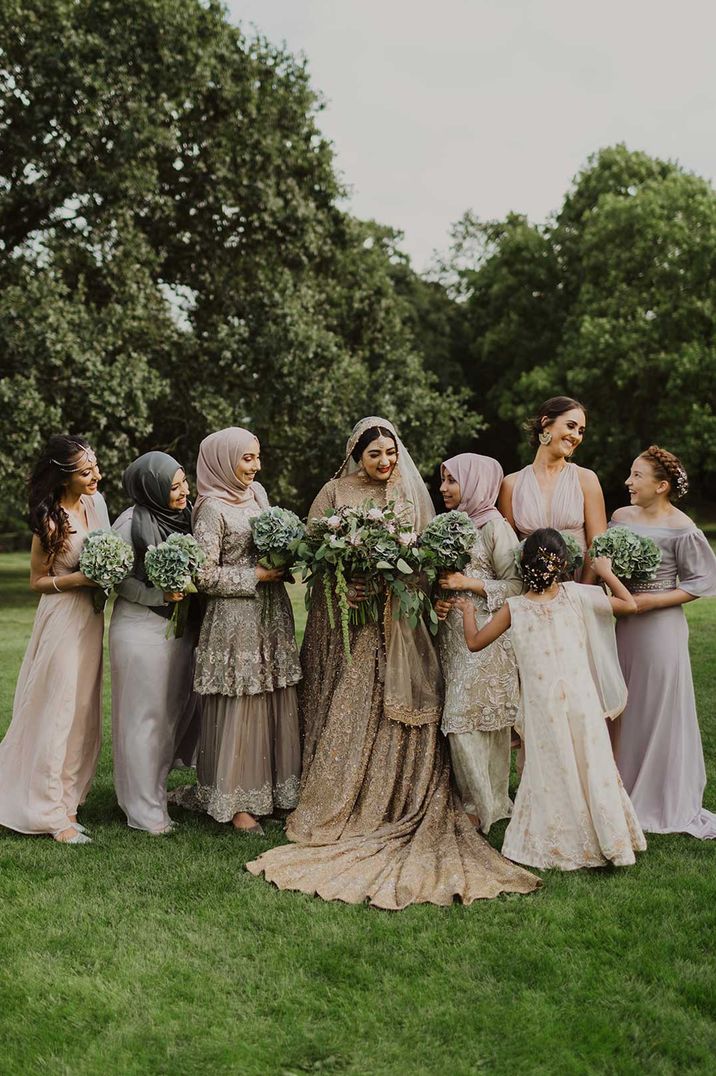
(658, 750)
(481, 690)
(378, 819)
(247, 663)
(155, 712)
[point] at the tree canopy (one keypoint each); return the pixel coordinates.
(174, 257)
(613, 301)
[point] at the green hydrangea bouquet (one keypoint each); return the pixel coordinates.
(277, 534)
(633, 556)
(106, 559)
(172, 567)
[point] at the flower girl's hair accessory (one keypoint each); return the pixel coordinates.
(545, 559)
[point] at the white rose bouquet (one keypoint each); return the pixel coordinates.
(172, 566)
(106, 559)
(277, 535)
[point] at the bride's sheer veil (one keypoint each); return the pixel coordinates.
(406, 473)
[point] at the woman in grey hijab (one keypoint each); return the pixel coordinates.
(154, 709)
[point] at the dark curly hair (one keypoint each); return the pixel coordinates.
(47, 518)
(544, 560)
(547, 413)
(367, 438)
(668, 468)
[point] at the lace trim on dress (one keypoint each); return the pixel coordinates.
(496, 593)
(407, 715)
(222, 806)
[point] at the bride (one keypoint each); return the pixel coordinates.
(377, 818)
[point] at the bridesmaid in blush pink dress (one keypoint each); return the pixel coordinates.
(551, 491)
(49, 754)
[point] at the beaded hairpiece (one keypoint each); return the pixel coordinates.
(544, 570)
(681, 482)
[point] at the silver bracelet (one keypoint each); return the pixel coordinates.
(54, 583)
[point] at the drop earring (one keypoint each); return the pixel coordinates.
(545, 438)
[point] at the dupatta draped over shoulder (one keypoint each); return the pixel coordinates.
(378, 818)
(413, 682)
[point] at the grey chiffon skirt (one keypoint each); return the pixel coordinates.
(249, 754)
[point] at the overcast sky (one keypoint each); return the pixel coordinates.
(439, 106)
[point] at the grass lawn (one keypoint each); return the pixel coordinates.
(142, 955)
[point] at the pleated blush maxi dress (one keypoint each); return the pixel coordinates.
(529, 508)
(49, 755)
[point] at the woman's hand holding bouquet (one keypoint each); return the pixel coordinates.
(277, 535)
(106, 559)
(172, 567)
(360, 555)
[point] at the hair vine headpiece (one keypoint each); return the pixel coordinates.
(86, 456)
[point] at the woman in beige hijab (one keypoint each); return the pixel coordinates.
(247, 662)
(378, 819)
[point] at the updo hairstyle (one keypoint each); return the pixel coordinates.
(47, 518)
(545, 559)
(367, 438)
(668, 468)
(547, 413)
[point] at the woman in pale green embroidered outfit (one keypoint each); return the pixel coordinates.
(481, 690)
(247, 663)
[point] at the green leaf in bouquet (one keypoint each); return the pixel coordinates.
(404, 568)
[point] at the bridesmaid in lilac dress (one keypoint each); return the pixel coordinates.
(659, 750)
(551, 491)
(49, 755)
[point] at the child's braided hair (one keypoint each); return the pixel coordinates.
(668, 468)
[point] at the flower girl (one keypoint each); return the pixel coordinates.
(571, 808)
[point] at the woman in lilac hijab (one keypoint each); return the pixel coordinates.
(482, 689)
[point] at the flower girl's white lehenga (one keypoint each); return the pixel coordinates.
(571, 809)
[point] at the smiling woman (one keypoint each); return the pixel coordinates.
(49, 755)
(550, 493)
(247, 663)
(154, 709)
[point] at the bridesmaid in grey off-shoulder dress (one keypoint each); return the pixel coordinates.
(659, 750)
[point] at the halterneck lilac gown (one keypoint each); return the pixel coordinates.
(659, 752)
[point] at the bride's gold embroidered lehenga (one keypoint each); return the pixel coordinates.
(378, 818)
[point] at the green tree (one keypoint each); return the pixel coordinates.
(613, 302)
(172, 253)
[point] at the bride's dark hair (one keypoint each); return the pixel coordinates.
(47, 517)
(367, 438)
